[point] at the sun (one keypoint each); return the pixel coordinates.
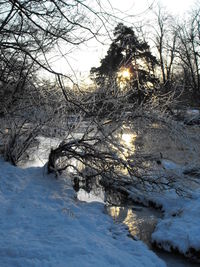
(124, 73)
(127, 138)
(123, 77)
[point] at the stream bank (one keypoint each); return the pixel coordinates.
(137, 220)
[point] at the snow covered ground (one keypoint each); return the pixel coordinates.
(180, 227)
(43, 224)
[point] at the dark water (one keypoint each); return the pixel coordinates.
(138, 220)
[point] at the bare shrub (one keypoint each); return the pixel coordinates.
(115, 147)
(17, 136)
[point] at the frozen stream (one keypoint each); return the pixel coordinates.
(139, 222)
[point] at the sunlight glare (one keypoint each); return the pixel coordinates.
(114, 211)
(123, 77)
(127, 138)
(124, 73)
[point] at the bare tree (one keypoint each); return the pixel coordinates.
(121, 148)
(189, 50)
(29, 32)
(165, 39)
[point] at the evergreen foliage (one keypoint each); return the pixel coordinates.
(127, 51)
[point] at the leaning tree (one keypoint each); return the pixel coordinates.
(32, 31)
(32, 35)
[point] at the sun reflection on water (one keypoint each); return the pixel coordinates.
(127, 141)
(126, 138)
(139, 220)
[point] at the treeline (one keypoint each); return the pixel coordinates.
(162, 56)
(144, 69)
(162, 53)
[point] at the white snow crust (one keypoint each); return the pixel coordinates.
(43, 224)
(180, 228)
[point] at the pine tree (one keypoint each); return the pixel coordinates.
(127, 52)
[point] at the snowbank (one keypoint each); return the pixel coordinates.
(43, 224)
(180, 228)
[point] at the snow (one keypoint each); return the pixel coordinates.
(193, 112)
(43, 224)
(39, 157)
(180, 228)
(82, 195)
(170, 165)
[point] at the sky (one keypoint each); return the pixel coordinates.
(80, 61)
(176, 6)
